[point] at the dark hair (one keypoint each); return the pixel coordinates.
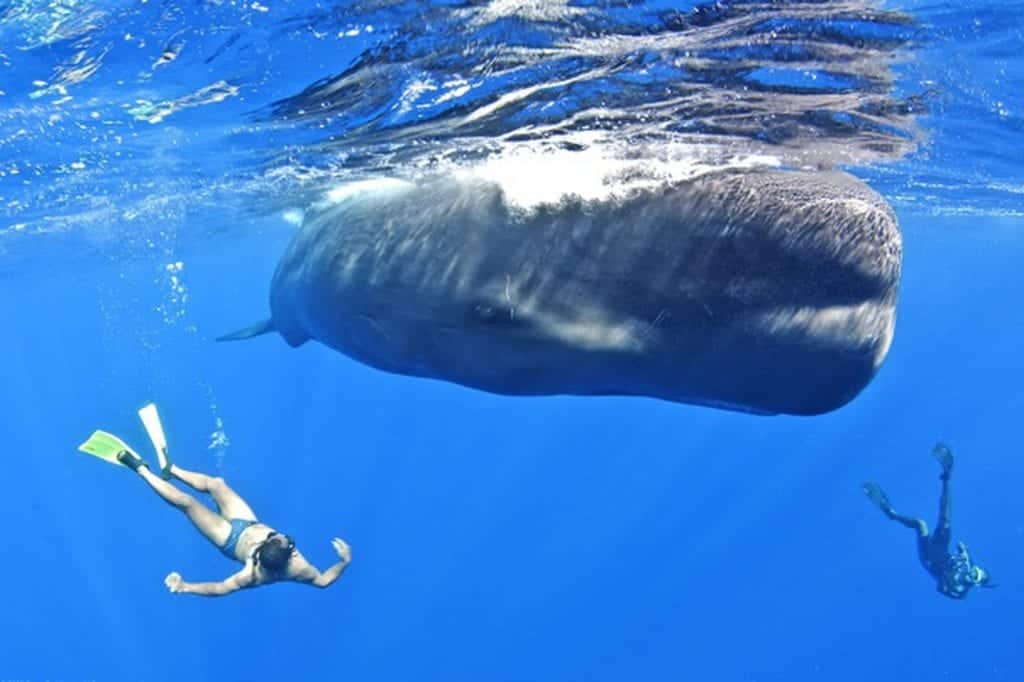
(274, 552)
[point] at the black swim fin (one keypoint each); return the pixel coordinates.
(258, 329)
(945, 458)
(878, 496)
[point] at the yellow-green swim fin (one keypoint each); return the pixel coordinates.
(106, 446)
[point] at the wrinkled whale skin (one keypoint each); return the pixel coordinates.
(767, 291)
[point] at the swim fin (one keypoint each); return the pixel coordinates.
(945, 457)
(878, 496)
(151, 420)
(107, 447)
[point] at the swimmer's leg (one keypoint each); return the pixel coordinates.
(942, 527)
(230, 503)
(875, 493)
(212, 526)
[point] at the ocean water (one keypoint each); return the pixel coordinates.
(157, 157)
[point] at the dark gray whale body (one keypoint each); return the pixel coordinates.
(768, 291)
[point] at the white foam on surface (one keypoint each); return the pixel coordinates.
(531, 177)
(293, 216)
(350, 190)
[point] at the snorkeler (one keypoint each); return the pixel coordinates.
(955, 574)
(268, 556)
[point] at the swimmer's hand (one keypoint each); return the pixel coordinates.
(308, 573)
(174, 582)
(343, 550)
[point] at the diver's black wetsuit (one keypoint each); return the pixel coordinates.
(933, 550)
(952, 572)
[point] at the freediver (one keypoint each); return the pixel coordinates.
(267, 555)
(954, 573)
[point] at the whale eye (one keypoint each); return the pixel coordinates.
(490, 314)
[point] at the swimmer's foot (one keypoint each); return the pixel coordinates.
(945, 458)
(130, 460)
(878, 497)
(166, 465)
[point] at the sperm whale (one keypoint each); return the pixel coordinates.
(761, 291)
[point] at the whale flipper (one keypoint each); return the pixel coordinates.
(258, 329)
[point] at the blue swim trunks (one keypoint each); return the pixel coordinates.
(237, 526)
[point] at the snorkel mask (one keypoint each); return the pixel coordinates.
(981, 578)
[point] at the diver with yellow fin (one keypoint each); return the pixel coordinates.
(267, 555)
(955, 574)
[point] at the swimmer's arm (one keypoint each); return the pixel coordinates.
(238, 581)
(305, 572)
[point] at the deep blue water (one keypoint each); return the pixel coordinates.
(493, 538)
